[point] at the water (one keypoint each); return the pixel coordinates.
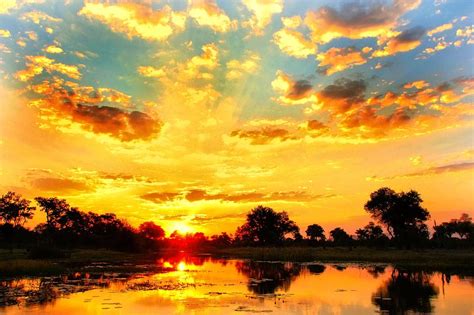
(202, 285)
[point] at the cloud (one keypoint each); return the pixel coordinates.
(37, 17)
(136, 20)
(5, 33)
(263, 11)
(342, 95)
(53, 49)
(151, 72)
(403, 42)
(59, 185)
(357, 20)
(373, 124)
(207, 13)
(440, 29)
(293, 43)
(237, 68)
(115, 122)
(37, 64)
(195, 195)
(292, 92)
(435, 170)
(340, 59)
(160, 197)
(262, 135)
(424, 95)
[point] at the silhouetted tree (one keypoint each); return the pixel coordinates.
(151, 231)
(221, 240)
(340, 237)
(401, 213)
(14, 209)
(371, 234)
(315, 232)
(264, 226)
(55, 210)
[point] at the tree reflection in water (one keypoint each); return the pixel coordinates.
(406, 291)
(266, 278)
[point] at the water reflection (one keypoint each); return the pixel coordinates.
(406, 291)
(202, 284)
(266, 278)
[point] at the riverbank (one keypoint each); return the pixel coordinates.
(433, 258)
(17, 263)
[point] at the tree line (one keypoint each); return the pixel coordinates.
(399, 220)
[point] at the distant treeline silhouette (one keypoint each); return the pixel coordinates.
(400, 215)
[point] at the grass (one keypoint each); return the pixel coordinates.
(434, 258)
(29, 267)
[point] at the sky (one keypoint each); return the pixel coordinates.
(191, 113)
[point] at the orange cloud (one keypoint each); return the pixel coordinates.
(263, 135)
(357, 20)
(136, 20)
(293, 43)
(341, 96)
(207, 13)
(440, 29)
(37, 64)
(263, 11)
(292, 92)
(403, 42)
(340, 59)
(38, 16)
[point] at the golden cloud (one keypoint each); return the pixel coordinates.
(237, 68)
(440, 29)
(263, 11)
(293, 43)
(151, 72)
(207, 13)
(292, 92)
(357, 20)
(403, 42)
(136, 20)
(340, 59)
(37, 64)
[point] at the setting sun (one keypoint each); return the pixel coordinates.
(181, 227)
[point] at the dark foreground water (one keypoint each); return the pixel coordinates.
(202, 285)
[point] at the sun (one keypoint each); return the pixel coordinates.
(181, 227)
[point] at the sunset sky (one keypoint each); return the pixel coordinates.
(190, 113)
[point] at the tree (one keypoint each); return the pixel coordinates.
(370, 232)
(315, 232)
(339, 236)
(14, 209)
(264, 226)
(401, 213)
(55, 210)
(151, 231)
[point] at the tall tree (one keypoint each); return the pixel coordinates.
(339, 236)
(151, 230)
(265, 226)
(401, 213)
(14, 209)
(315, 232)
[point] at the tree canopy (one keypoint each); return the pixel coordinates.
(264, 226)
(400, 213)
(14, 209)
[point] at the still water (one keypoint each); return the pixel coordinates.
(202, 285)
